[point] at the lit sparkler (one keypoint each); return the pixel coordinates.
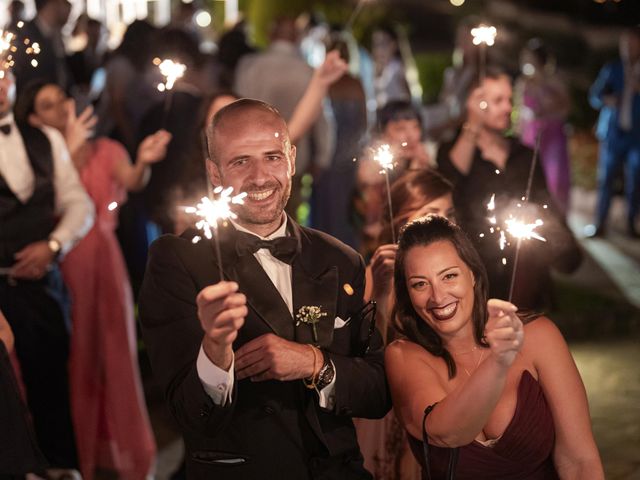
(483, 36)
(520, 229)
(524, 231)
(384, 156)
(171, 71)
(213, 211)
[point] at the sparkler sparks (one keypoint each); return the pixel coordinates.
(524, 231)
(484, 34)
(213, 211)
(384, 156)
(171, 71)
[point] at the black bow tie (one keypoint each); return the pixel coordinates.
(6, 129)
(284, 249)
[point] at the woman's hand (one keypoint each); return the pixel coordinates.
(154, 147)
(504, 331)
(382, 264)
(332, 69)
(78, 128)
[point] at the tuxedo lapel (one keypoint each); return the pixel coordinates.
(314, 284)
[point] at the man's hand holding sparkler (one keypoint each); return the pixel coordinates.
(221, 311)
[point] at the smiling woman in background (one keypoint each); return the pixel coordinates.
(492, 397)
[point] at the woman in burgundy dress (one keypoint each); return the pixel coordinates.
(111, 424)
(493, 397)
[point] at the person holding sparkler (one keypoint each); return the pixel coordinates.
(481, 392)
(399, 138)
(264, 368)
(106, 393)
(484, 164)
(413, 195)
(44, 211)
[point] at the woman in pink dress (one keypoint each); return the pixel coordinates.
(110, 418)
(543, 104)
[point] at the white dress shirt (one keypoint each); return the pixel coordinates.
(72, 204)
(218, 383)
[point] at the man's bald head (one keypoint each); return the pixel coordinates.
(242, 113)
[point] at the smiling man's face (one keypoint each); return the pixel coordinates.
(252, 153)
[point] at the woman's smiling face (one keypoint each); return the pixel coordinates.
(440, 286)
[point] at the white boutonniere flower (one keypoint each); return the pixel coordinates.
(311, 315)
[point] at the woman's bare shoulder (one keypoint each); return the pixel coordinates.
(404, 350)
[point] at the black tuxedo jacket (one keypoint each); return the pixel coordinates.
(271, 429)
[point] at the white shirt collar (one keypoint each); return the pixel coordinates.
(280, 232)
(7, 119)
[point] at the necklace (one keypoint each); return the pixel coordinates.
(464, 353)
(477, 363)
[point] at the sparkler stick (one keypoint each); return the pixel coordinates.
(534, 160)
(211, 212)
(354, 14)
(384, 157)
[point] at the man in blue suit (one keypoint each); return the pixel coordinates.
(616, 93)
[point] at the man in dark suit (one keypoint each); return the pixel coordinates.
(259, 390)
(616, 93)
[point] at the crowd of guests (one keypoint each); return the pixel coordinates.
(96, 163)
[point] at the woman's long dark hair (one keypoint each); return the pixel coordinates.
(422, 232)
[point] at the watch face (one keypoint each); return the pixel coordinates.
(325, 376)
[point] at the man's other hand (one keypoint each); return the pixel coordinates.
(270, 357)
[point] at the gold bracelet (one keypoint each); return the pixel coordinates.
(310, 382)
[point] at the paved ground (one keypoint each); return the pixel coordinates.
(598, 310)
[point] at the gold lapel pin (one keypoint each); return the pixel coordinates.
(348, 289)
